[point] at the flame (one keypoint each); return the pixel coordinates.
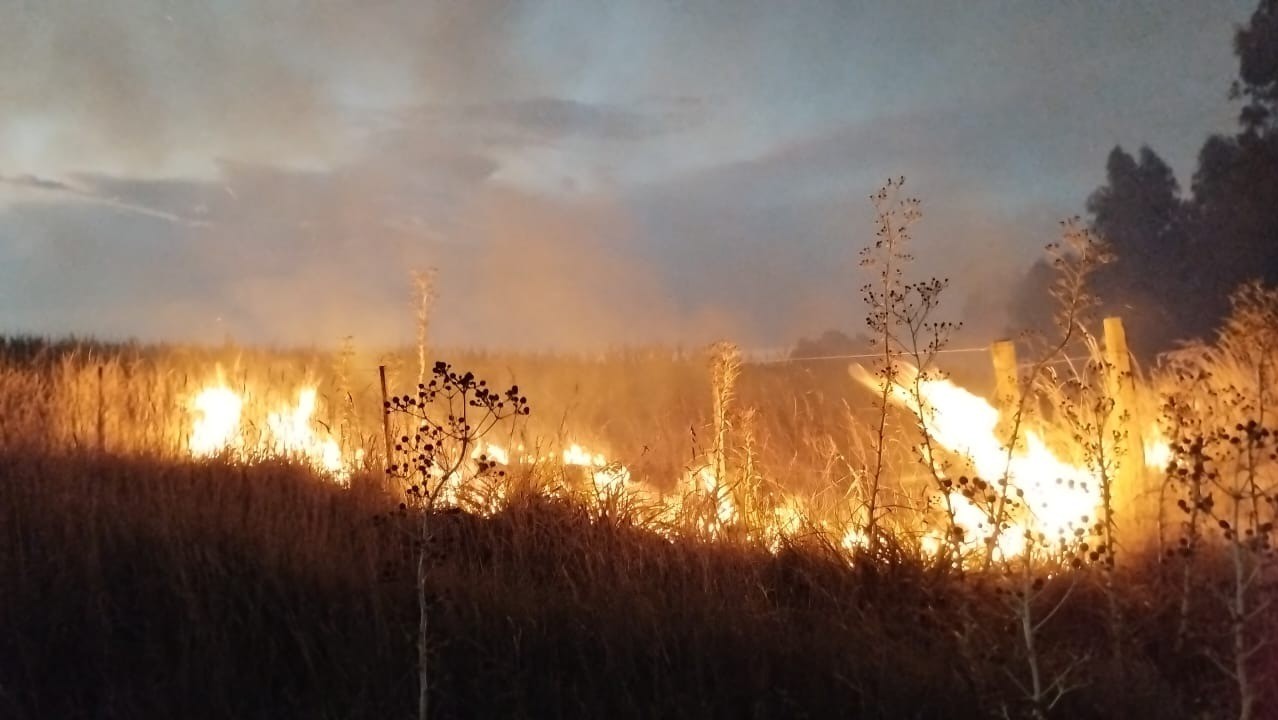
(1158, 451)
(608, 476)
(854, 539)
(611, 478)
(786, 520)
(1047, 496)
(1058, 498)
(217, 426)
(578, 456)
(289, 432)
(721, 511)
(293, 435)
(492, 453)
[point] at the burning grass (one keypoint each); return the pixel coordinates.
(1096, 544)
(215, 554)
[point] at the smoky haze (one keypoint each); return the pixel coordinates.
(581, 174)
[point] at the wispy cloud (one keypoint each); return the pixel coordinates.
(58, 189)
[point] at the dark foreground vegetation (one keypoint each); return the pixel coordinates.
(148, 589)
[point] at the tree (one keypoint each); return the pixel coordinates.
(1140, 215)
(1236, 208)
(1179, 259)
(1235, 188)
(1256, 46)
(1142, 218)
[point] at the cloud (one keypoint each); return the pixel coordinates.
(540, 120)
(139, 86)
(302, 257)
(583, 174)
(787, 224)
(29, 185)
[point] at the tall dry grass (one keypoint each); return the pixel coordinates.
(141, 584)
(145, 589)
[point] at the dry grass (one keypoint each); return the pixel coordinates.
(137, 583)
(650, 410)
(142, 588)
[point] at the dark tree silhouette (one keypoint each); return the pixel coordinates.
(1140, 213)
(1178, 259)
(1235, 188)
(1236, 208)
(1256, 46)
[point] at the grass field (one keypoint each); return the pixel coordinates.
(144, 588)
(142, 580)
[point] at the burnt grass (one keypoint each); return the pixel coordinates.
(140, 588)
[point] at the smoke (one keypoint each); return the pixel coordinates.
(582, 175)
(151, 88)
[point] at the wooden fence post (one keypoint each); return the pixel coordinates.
(1007, 393)
(1122, 386)
(386, 428)
(101, 424)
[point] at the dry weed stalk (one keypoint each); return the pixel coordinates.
(1075, 259)
(424, 296)
(725, 368)
(900, 316)
(449, 416)
(1224, 464)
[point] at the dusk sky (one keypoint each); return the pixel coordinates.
(582, 174)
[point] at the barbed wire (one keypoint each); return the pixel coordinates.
(863, 356)
(818, 358)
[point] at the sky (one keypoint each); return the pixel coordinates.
(581, 174)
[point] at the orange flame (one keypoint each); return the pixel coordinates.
(1059, 498)
(289, 432)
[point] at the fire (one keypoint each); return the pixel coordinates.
(289, 432)
(787, 519)
(492, 453)
(218, 424)
(611, 478)
(293, 435)
(853, 539)
(577, 455)
(1158, 451)
(1047, 496)
(719, 508)
(1059, 498)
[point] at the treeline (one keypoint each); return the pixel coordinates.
(1179, 253)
